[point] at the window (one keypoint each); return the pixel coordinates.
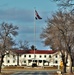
(56, 56)
(56, 61)
(13, 56)
(24, 55)
(24, 61)
(40, 56)
(13, 61)
(40, 61)
(29, 61)
(44, 61)
(35, 55)
(8, 61)
(35, 60)
(49, 56)
(45, 56)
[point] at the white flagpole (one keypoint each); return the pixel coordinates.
(34, 34)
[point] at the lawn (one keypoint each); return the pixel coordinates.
(10, 70)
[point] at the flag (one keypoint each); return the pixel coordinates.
(37, 15)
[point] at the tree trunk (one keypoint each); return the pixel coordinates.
(64, 68)
(1, 62)
(0, 67)
(71, 64)
(64, 63)
(71, 68)
(64, 59)
(17, 59)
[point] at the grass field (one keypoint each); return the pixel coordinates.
(10, 70)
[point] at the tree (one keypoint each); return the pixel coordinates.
(65, 5)
(24, 45)
(33, 47)
(7, 31)
(59, 34)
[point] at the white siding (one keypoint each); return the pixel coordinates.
(49, 60)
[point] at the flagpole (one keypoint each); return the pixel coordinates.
(34, 34)
(36, 16)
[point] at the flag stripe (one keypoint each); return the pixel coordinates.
(37, 15)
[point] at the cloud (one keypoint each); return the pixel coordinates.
(21, 15)
(24, 19)
(18, 15)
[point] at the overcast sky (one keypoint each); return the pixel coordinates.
(21, 13)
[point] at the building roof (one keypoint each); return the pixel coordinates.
(36, 51)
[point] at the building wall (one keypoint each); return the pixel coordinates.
(28, 59)
(48, 58)
(10, 60)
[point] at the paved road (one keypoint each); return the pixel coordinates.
(34, 73)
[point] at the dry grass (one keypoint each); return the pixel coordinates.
(22, 67)
(13, 69)
(6, 73)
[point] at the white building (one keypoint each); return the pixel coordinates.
(27, 58)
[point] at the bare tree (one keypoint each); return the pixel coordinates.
(24, 45)
(65, 5)
(7, 31)
(59, 34)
